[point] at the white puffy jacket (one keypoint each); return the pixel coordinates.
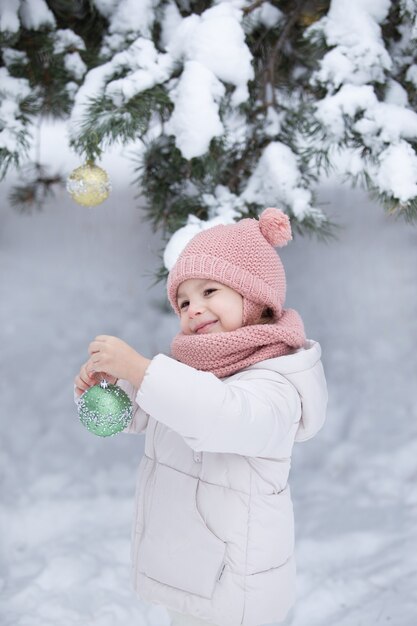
(214, 534)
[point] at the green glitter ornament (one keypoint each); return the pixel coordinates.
(105, 409)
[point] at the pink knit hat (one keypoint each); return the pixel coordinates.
(241, 256)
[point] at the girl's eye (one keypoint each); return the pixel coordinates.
(184, 304)
(207, 292)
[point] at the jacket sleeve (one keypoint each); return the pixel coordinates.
(139, 419)
(249, 415)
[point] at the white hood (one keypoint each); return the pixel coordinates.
(304, 370)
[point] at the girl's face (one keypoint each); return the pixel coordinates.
(207, 306)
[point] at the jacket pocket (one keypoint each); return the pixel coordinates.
(271, 531)
(177, 547)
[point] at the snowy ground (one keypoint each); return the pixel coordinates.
(70, 273)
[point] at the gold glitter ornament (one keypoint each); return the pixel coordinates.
(89, 185)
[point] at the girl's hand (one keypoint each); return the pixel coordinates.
(84, 380)
(117, 359)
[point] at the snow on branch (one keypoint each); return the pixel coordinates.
(355, 110)
(277, 181)
(213, 50)
(141, 67)
(128, 16)
(396, 172)
(195, 120)
(13, 125)
(31, 14)
(358, 55)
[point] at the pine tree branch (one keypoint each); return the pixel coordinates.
(35, 186)
(252, 6)
(277, 51)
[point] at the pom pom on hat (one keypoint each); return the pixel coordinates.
(275, 226)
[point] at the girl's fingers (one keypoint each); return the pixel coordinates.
(92, 370)
(99, 376)
(86, 378)
(80, 382)
(95, 346)
(81, 388)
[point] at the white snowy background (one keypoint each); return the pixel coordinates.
(70, 273)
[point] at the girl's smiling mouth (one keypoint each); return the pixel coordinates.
(204, 327)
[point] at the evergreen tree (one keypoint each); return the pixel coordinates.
(230, 105)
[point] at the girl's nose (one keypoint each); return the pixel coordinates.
(194, 309)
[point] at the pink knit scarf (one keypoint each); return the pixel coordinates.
(226, 353)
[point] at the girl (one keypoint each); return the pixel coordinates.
(213, 538)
